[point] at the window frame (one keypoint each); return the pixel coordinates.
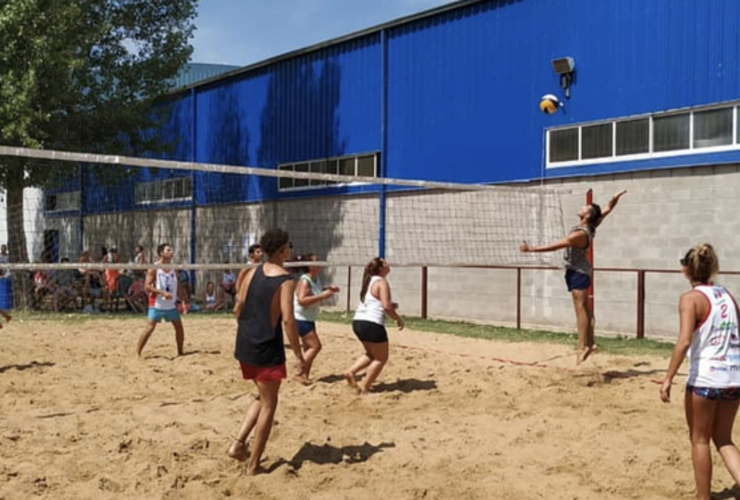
(144, 191)
(287, 184)
(65, 201)
(651, 153)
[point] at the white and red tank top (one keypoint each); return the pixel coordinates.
(714, 353)
(167, 282)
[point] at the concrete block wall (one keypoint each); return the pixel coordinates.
(149, 229)
(664, 213)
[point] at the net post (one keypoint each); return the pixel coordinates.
(81, 211)
(518, 298)
(349, 288)
(641, 304)
(590, 200)
(424, 297)
(383, 141)
(193, 191)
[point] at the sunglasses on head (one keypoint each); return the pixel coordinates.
(684, 261)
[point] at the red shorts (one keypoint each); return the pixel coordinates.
(263, 373)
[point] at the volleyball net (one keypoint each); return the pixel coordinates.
(337, 209)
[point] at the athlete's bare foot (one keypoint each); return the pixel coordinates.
(302, 379)
(350, 378)
(583, 356)
(7, 317)
(253, 471)
(238, 450)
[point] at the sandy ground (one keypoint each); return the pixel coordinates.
(82, 417)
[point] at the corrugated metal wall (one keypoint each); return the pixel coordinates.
(462, 91)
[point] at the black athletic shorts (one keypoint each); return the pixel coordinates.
(367, 331)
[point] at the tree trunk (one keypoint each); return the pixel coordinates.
(17, 245)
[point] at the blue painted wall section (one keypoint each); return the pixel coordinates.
(463, 86)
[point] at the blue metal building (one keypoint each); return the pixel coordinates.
(452, 94)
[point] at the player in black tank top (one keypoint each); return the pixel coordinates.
(264, 310)
(257, 342)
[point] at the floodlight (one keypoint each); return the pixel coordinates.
(564, 66)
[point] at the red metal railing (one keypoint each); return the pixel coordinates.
(640, 274)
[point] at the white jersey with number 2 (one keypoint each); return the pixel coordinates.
(715, 347)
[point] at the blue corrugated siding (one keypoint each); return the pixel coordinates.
(463, 89)
(111, 188)
(464, 85)
(320, 105)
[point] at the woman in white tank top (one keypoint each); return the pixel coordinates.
(212, 299)
(709, 333)
(309, 293)
(369, 324)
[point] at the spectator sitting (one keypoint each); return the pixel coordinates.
(41, 286)
(136, 297)
(65, 287)
(228, 283)
(213, 299)
(4, 259)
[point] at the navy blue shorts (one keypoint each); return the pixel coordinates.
(305, 327)
(576, 280)
(725, 394)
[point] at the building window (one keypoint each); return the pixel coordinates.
(707, 129)
(563, 145)
(597, 141)
(62, 202)
(713, 128)
(164, 191)
(671, 133)
(364, 165)
(633, 137)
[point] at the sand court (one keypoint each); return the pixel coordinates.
(83, 417)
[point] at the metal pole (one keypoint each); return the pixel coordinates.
(383, 139)
(590, 200)
(349, 288)
(641, 304)
(424, 297)
(518, 298)
(193, 191)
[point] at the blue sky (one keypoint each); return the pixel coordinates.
(241, 32)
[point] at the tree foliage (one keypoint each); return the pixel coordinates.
(83, 75)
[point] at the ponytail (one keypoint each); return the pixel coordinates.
(371, 269)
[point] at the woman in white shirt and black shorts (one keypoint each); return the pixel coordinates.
(369, 324)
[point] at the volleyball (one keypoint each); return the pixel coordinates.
(549, 104)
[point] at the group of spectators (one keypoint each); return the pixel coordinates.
(91, 290)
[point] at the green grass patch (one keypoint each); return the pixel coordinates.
(614, 345)
(628, 346)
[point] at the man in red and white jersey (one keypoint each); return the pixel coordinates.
(161, 286)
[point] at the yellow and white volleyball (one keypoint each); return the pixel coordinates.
(549, 104)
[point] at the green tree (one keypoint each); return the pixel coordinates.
(83, 76)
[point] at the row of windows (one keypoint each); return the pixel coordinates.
(164, 190)
(660, 133)
(359, 165)
(62, 202)
(181, 188)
